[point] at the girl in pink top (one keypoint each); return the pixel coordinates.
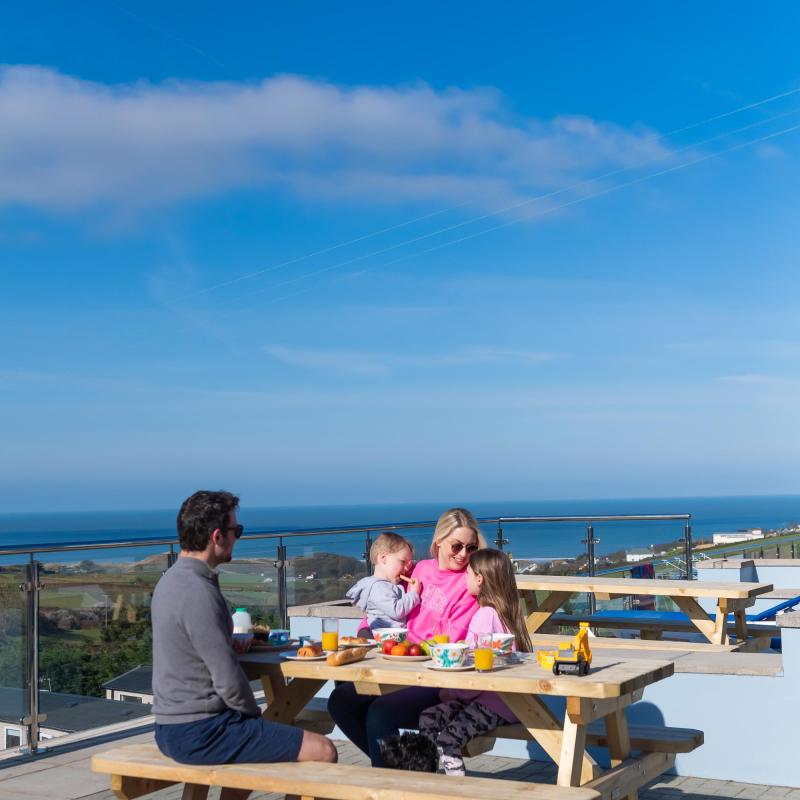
(463, 715)
(445, 602)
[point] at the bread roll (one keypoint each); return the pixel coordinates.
(346, 656)
(310, 651)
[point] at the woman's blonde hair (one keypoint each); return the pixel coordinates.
(451, 519)
(499, 590)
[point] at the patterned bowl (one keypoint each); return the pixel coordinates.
(449, 656)
(503, 642)
(278, 636)
(396, 634)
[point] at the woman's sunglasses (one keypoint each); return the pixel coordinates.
(456, 547)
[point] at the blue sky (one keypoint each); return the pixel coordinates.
(359, 253)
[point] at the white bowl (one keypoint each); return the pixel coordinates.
(396, 634)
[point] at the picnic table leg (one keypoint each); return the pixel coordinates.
(714, 630)
(740, 619)
(565, 744)
(286, 700)
(619, 743)
(545, 610)
(572, 771)
(126, 787)
(194, 791)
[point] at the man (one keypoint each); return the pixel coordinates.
(204, 707)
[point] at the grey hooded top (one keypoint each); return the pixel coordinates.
(385, 604)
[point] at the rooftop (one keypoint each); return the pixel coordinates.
(71, 712)
(68, 769)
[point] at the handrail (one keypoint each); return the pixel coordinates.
(110, 544)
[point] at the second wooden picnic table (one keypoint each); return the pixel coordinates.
(729, 598)
(613, 684)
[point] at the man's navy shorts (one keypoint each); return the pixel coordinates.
(229, 738)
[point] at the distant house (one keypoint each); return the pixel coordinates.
(738, 536)
(133, 686)
(637, 554)
(66, 713)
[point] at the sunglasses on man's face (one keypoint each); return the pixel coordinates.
(456, 547)
(238, 530)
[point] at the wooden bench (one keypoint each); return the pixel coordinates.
(646, 738)
(138, 769)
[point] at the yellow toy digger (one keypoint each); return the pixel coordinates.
(569, 659)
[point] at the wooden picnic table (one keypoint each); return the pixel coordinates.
(732, 598)
(613, 684)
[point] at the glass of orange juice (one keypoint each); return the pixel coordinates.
(484, 654)
(330, 634)
(441, 632)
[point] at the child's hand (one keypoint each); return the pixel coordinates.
(413, 585)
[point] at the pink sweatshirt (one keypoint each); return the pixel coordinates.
(485, 620)
(444, 597)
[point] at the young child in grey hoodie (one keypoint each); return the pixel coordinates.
(380, 596)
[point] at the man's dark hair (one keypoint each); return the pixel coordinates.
(201, 514)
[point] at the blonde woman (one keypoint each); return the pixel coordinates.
(445, 604)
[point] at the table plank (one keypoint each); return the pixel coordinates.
(646, 586)
(611, 676)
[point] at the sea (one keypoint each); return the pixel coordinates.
(525, 540)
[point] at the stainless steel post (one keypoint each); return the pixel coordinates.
(32, 718)
(283, 596)
(367, 548)
(500, 541)
(792, 550)
(590, 558)
(171, 556)
(687, 550)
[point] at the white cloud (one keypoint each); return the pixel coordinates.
(68, 144)
(382, 364)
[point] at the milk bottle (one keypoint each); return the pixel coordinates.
(241, 621)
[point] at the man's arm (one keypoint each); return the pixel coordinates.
(206, 626)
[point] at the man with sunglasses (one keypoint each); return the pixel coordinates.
(204, 708)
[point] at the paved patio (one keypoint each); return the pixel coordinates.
(66, 775)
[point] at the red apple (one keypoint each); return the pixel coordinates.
(387, 646)
(415, 650)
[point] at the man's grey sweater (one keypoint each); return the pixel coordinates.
(196, 674)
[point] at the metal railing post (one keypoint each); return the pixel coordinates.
(283, 595)
(687, 549)
(32, 718)
(792, 549)
(500, 541)
(367, 548)
(590, 543)
(171, 556)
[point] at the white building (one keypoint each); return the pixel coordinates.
(637, 554)
(738, 536)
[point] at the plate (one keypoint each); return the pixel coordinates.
(308, 658)
(451, 669)
(405, 658)
(264, 647)
(370, 643)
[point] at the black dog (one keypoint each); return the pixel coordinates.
(411, 751)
